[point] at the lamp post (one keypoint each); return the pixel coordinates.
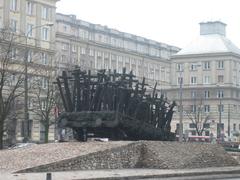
(220, 129)
(26, 114)
(220, 117)
(180, 108)
(229, 111)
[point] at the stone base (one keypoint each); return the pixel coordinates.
(146, 154)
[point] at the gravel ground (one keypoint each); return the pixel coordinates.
(34, 155)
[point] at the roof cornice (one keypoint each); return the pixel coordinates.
(204, 55)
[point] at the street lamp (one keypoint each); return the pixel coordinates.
(220, 129)
(26, 114)
(220, 117)
(180, 107)
(229, 109)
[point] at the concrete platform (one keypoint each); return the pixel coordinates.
(122, 174)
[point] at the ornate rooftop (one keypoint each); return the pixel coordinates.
(211, 40)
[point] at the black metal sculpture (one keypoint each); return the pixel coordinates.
(109, 104)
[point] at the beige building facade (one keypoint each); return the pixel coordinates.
(93, 46)
(32, 22)
(209, 70)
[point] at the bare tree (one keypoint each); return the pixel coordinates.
(11, 79)
(45, 101)
(198, 116)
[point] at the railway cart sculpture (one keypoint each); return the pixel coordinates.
(113, 105)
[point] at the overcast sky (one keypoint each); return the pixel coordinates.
(175, 22)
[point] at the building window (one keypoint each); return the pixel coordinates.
(193, 108)
(42, 132)
(180, 67)
(30, 56)
(13, 5)
(234, 127)
(220, 78)
(106, 39)
(206, 65)
(99, 54)
(206, 125)
(207, 133)
(43, 104)
(29, 32)
(13, 25)
(235, 79)
(74, 60)
(206, 80)
(193, 80)
(1, 22)
(64, 46)
(91, 52)
(194, 133)
(63, 58)
(151, 74)
(74, 48)
(13, 53)
(22, 128)
(30, 103)
(207, 94)
(234, 108)
(44, 34)
(12, 80)
(65, 28)
(83, 34)
(180, 80)
(192, 125)
(163, 73)
(177, 128)
(44, 58)
(220, 94)
(113, 41)
(106, 56)
(193, 66)
(193, 94)
(220, 64)
(44, 83)
(206, 108)
(45, 12)
(29, 8)
(220, 108)
(83, 50)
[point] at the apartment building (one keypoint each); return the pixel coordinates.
(209, 71)
(32, 23)
(93, 46)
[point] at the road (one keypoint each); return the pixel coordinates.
(203, 177)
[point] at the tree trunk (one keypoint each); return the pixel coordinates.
(11, 131)
(1, 140)
(46, 133)
(1, 133)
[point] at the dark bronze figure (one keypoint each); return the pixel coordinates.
(113, 105)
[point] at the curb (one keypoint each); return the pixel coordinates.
(167, 175)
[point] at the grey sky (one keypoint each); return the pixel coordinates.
(170, 21)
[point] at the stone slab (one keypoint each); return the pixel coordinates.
(122, 174)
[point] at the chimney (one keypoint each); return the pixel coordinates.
(212, 27)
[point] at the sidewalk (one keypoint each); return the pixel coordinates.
(121, 174)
